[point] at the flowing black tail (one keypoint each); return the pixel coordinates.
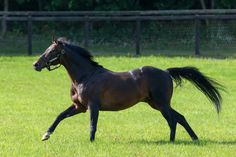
(205, 84)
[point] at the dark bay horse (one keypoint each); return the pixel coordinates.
(99, 89)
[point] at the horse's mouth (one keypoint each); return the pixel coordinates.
(37, 68)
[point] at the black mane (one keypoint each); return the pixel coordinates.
(79, 50)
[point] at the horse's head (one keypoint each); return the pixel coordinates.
(51, 57)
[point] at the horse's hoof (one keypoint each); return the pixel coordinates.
(195, 138)
(92, 139)
(46, 136)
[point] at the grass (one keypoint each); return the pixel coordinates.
(30, 101)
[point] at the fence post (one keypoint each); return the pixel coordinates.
(137, 37)
(29, 35)
(86, 33)
(4, 21)
(197, 35)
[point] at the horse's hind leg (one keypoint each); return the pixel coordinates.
(182, 121)
(166, 111)
(172, 117)
(171, 120)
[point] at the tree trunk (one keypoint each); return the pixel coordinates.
(212, 4)
(4, 22)
(40, 5)
(203, 4)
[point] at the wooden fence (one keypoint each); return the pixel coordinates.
(87, 17)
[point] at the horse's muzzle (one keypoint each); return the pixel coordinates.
(37, 67)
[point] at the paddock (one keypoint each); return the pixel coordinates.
(27, 109)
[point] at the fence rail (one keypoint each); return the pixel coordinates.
(123, 13)
(137, 17)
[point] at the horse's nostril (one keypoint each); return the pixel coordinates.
(36, 64)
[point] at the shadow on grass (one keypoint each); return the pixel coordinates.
(183, 142)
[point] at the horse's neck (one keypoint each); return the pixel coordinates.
(78, 71)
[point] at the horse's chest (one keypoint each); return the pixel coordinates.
(81, 94)
(74, 98)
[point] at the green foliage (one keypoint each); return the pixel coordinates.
(173, 4)
(51, 5)
(22, 1)
(227, 4)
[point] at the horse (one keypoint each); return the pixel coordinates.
(96, 88)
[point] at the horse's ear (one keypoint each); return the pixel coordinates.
(54, 40)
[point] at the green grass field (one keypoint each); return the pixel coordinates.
(30, 101)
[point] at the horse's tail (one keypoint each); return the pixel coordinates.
(205, 84)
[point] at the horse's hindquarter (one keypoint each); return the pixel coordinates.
(123, 90)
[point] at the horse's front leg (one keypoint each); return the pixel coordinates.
(72, 110)
(94, 112)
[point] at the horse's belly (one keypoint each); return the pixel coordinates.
(120, 101)
(115, 107)
(121, 92)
